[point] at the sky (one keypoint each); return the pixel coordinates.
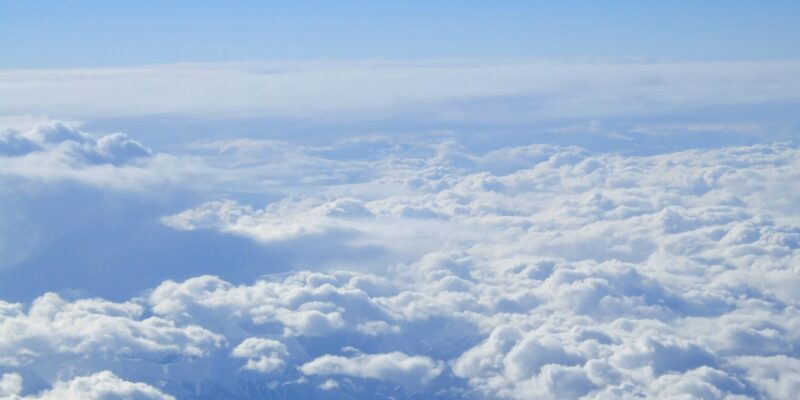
(410, 200)
(100, 34)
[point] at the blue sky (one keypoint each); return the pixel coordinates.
(96, 33)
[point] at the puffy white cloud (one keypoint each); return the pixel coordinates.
(329, 384)
(51, 150)
(264, 225)
(700, 383)
(412, 371)
(662, 357)
(305, 304)
(536, 271)
(263, 355)
(67, 144)
(528, 356)
(556, 381)
(777, 376)
(10, 384)
(100, 386)
(580, 274)
(53, 329)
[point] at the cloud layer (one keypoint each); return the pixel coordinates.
(499, 91)
(534, 271)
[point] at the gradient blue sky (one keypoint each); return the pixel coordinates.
(96, 33)
(412, 200)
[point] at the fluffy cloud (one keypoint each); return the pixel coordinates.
(10, 384)
(55, 331)
(536, 271)
(263, 355)
(265, 225)
(777, 376)
(100, 386)
(306, 304)
(413, 371)
(70, 145)
(49, 150)
(586, 274)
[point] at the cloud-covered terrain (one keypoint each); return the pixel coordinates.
(383, 267)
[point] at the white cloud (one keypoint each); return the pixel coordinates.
(412, 371)
(306, 304)
(263, 355)
(263, 225)
(700, 383)
(528, 356)
(528, 272)
(48, 151)
(100, 386)
(54, 329)
(442, 90)
(581, 274)
(777, 376)
(10, 384)
(329, 384)
(70, 145)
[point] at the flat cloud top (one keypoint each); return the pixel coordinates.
(437, 90)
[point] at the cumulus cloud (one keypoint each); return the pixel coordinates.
(54, 330)
(536, 271)
(100, 386)
(581, 274)
(47, 150)
(777, 376)
(263, 355)
(10, 384)
(264, 225)
(73, 146)
(413, 371)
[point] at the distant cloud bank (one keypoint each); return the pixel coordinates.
(461, 91)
